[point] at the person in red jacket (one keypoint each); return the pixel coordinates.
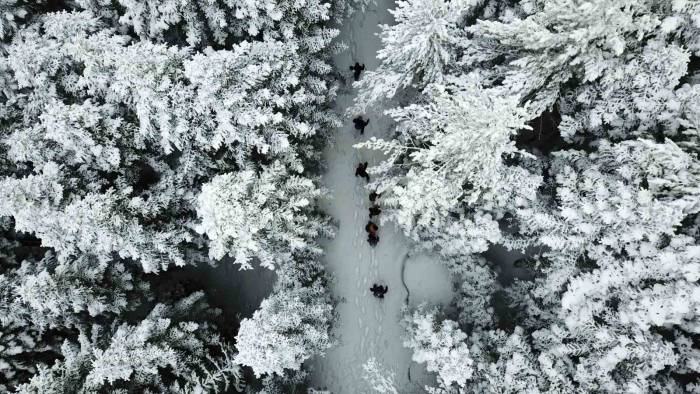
(371, 227)
(372, 237)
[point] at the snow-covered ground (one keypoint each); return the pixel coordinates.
(368, 327)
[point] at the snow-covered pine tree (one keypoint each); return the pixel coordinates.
(103, 163)
(126, 143)
(14, 14)
(22, 347)
(440, 344)
(43, 301)
(201, 23)
(50, 294)
(267, 216)
(416, 50)
(621, 263)
(171, 350)
(111, 125)
(613, 307)
(474, 284)
(292, 325)
(607, 63)
(446, 179)
(506, 363)
(376, 375)
(422, 46)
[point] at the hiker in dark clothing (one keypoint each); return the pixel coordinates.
(379, 291)
(376, 290)
(361, 171)
(373, 196)
(374, 210)
(357, 69)
(360, 124)
(372, 239)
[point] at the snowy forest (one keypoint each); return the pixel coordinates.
(184, 189)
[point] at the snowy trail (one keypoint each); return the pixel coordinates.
(367, 327)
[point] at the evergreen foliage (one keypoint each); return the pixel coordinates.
(141, 136)
(605, 201)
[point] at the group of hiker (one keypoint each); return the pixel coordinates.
(371, 227)
(361, 171)
(373, 239)
(374, 210)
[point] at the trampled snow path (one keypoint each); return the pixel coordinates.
(368, 327)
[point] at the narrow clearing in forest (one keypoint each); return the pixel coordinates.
(368, 327)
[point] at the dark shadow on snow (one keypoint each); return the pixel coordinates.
(237, 293)
(544, 136)
(505, 263)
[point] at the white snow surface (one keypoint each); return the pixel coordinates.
(369, 327)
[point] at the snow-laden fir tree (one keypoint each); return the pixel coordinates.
(168, 351)
(268, 216)
(49, 294)
(291, 325)
(623, 205)
(220, 22)
(43, 301)
(289, 328)
(422, 46)
(439, 343)
(608, 63)
(622, 271)
(506, 363)
(380, 380)
(22, 347)
(139, 138)
(75, 326)
(446, 177)
(612, 212)
(14, 14)
(475, 284)
(120, 122)
(416, 49)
